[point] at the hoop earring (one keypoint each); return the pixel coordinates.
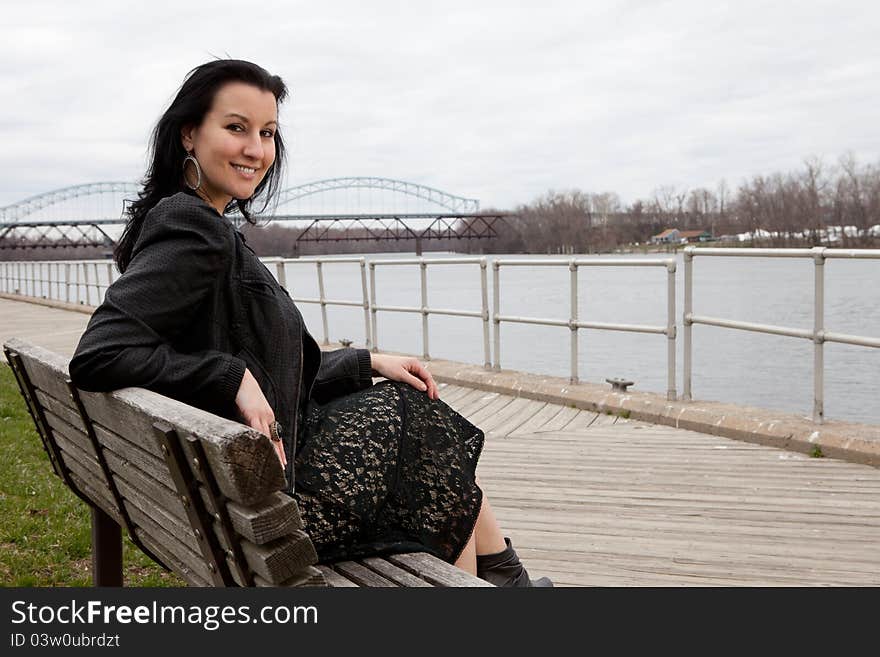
(191, 158)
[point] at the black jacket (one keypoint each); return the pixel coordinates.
(194, 308)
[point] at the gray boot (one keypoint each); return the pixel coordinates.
(505, 569)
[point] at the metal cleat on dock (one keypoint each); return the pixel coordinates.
(619, 385)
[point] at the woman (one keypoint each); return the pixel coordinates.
(196, 316)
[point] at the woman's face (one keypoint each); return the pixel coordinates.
(235, 143)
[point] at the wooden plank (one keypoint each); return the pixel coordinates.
(513, 423)
(391, 572)
(452, 393)
(46, 370)
(175, 525)
(603, 419)
(137, 478)
(537, 421)
(501, 416)
(243, 461)
(66, 412)
(100, 499)
(281, 559)
(173, 563)
(276, 516)
(85, 462)
(145, 461)
(185, 554)
(581, 421)
(496, 405)
(474, 401)
(310, 576)
(361, 575)
(333, 578)
(559, 420)
(69, 438)
(434, 570)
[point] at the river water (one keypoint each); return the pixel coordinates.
(733, 366)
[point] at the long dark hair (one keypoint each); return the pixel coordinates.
(164, 175)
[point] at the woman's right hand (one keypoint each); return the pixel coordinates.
(255, 410)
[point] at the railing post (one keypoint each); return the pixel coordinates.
(686, 320)
(424, 275)
(97, 286)
(85, 280)
(487, 358)
(373, 304)
(67, 281)
(572, 323)
(281, 273)
(109, 278)
(496, 306)
(819, 335)
(367, 332)
(323, 301)
(670, 331)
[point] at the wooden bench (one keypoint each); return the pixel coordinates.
(199, 494)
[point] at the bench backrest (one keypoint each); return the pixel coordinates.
(198, 493)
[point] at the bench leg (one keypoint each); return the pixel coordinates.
(106, 550)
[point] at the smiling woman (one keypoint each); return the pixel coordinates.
(234, 145)
(196, 316)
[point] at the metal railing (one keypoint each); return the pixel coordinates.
(322, 300)
(79, 276)
(818, 335)
(424, 309)
(574, 323)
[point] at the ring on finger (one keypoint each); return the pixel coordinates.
(275, 432)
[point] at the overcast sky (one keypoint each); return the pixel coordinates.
(499, 101)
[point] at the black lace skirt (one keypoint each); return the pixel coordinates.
(387, 470)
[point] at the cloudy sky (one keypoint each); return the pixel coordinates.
(499, 101)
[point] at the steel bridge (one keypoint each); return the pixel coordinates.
(47, 220)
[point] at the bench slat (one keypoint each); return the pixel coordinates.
(281, 559)
(175, 525)
(183, 553)
(361, 575)
(46, 370)
(85, 464)
(334, 579)
(127, 450)
(183, 571)
(71, 440)
(309, 576)
(435, 571)
(276, 516)
(66, 412)
(137, 478)
(101, 500)
(396, 574)
(243, 462)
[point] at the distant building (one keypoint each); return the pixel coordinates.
(695, 236)
(676, 236)
(668, 236)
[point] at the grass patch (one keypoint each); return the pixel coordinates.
(45, 530)
(817, 452)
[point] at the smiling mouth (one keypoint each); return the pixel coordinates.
(244, 169)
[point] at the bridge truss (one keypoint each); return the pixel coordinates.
(459, 219)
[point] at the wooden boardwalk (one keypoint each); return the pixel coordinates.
(593, 499)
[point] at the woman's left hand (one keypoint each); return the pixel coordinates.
(407, 370)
